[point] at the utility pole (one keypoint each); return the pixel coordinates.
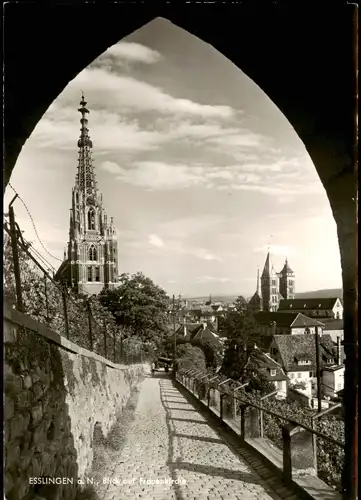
(318, 371)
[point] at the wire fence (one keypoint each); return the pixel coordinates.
(30, 287)
(316, 448)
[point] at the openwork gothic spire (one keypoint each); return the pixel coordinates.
(85, 176)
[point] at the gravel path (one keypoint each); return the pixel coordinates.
(172, 453)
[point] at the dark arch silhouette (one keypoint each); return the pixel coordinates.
(303, 58)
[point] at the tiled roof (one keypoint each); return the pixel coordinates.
(265, 363)
(313, 304)
(286, 269)
(303, 346)
(290, 319)
(190, 328)
(333, 324)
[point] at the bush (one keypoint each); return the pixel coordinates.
(190, 357)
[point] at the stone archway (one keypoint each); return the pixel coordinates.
(304, 60)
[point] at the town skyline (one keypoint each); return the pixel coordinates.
(201, 172)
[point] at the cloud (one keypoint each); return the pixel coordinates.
(279, 250)
(132, 52)
(155, 241)
(122, 93)
(59, 129)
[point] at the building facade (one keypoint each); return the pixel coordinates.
(91, 261)
(325, 308)
(274, 287)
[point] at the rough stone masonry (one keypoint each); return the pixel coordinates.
(54, 400)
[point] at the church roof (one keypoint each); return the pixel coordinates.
(255, 299)
(267, 267)
(286, 319)
(311, 304)
(286, 269)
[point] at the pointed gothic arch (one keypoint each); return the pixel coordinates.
(93, 254)
(321, 108)
(91, 219)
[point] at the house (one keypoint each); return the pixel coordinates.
(290, 323)
(334, 327)
(333, 380)
(297, 356)
(272, 371)
(200, 332)
(315, 308)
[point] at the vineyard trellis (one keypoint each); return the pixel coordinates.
(30, 287)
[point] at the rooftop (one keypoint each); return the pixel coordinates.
(311, 304)
(286, 319)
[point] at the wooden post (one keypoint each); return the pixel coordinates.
(90, 325)
(105, 338)
(46, 300)
(287, 460)
(318, 371)
(15, 251)
(65, 309)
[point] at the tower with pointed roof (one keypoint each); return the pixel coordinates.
(255, 303)
(269, 286)
(287, 282)
(92, 253)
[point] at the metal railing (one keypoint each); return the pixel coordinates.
(294, 447)
(30, 288)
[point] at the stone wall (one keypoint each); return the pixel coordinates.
(56, 396)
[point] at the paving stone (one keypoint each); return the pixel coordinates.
(165, 442)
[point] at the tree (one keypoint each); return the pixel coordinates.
(190, 357)
(240, 304)
(241, 332)
(138, 305)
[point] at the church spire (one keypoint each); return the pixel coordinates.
(267, 267)
(85, 178)
(257, 279)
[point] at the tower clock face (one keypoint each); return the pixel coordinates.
(90, 200)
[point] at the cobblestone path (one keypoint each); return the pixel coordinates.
(169, 441)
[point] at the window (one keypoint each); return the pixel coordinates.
(291, 290)
(311, 375)
(299, 375)
(273, 282)
(273, 373)
(307, 330)
(339, 387)
(290, 282)
(291, 375)
(91, 219)
(337, 315)
(92, 253)
(90, 276)
(274, 291)
(97, 274)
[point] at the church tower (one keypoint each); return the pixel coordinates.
(269, 287)
(287, 282)
(255, 303)
(92, 253)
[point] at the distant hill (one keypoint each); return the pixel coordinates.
(215, 298)
(324, 294)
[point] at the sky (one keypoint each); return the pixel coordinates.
(200, 169)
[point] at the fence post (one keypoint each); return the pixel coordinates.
(46, 300)
(105, 338)
(221, 398)
(243, 423)
(65, 307)
(114, 356)
(14, 247)
(287, 460)
(90, 325)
